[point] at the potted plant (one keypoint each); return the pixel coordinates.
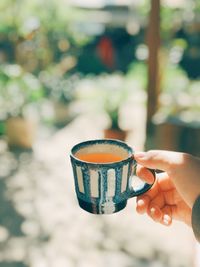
(19, 90)
(114, 131)
(61, 91)
(177, 121)
(114, 96)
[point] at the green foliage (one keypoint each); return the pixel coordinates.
(175, 80)
(37, 40)
(174, 17)
(58, 88)
(113, 92)
(180, 97)
(138, 73)
(41, 38)
(2, 128)
(37, 34)
(18, 89)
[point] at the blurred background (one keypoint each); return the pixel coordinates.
(73, 70)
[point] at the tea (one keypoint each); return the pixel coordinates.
(100, 157)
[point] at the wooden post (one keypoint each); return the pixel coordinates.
(153, 42)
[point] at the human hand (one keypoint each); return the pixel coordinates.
(174, 191)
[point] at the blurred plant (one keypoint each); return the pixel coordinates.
(36, 34)
(60, 93)
(180, 97)
(180, 34)
(174, 14)
(190, 61)
(137, 73)
(59, 88)
(114, 91)
(19, 89)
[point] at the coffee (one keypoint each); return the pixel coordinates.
(100, 157)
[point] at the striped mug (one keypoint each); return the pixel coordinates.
(103, 187)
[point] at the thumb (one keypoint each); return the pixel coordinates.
(159, 159)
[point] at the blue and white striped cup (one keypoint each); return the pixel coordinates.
(104, 188)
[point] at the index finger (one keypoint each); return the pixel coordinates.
(152, 192)
(145, 174)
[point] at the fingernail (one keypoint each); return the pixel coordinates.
(140, 202)
(166, 222)
(140, 155)
(166, 219)
(152, 211)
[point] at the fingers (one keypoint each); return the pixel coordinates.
(142, 204)
(155, 213)
(164, 182)
(145, 204)
(161, 193)
(155, 209)
(156, 202)
(160, 215)
(166, 216)
(163, 216)
(152, 192)
(159, 159)
(145, 174)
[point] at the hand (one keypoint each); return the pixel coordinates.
(174, 191)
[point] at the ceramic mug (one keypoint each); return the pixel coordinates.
(104, 188)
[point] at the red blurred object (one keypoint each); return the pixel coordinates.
(106, 52)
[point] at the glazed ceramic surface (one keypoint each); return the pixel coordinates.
(104, 188)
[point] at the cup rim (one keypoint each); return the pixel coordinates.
(76, 147)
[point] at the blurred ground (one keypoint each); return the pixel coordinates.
(41, 224)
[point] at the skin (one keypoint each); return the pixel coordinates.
(175, 189)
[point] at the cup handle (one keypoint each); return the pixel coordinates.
(144, 188)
